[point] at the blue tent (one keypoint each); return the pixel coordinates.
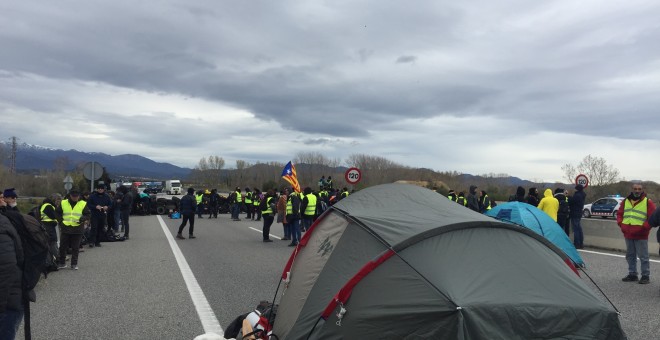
(533, 218)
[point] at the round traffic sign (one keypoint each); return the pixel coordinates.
(93, 170)
(353, 175)
(582, 179)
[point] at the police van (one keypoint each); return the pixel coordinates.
(604, 207)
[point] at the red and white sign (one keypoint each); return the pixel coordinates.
(353, 175)
(582, 179)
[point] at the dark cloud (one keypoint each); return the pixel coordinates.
(405, 59)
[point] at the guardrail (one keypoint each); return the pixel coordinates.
(605, 234)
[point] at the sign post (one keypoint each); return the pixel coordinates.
(92, 171)
(353, 176)
(68, 183)
(583, 180)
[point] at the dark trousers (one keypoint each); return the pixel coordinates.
(578, 237)
(97, 224)
(268, 221)
(564, 223)
(257, 212)
(69, 241)
(213, 210)
(123, 215)
(187, 217)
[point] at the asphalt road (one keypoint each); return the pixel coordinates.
(135, 289)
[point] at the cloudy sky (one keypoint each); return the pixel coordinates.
(518, 87)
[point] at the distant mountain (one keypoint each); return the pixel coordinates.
(32, 158)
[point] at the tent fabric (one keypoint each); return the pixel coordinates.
(537, 220)
(453, 274)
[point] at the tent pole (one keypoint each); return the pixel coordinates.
(601, 291)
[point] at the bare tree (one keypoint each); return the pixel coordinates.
(596, 168)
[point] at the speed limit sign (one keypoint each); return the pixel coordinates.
(582, 179)
(353, 175)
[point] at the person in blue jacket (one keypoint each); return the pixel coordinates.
(187, 207)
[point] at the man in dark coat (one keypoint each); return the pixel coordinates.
(11, 293)
(187, 207)
(519, 195)
(576, 205)
(473, 199)
(98, 202)
(125, 207)
(533, 197)
(564, 211)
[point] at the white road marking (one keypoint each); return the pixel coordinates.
(608, 254)
(206, 315)
(271, 235)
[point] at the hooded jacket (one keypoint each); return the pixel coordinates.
(519, 196)
(576, 202)
(472, 199)
(549, 204)
(633, 232)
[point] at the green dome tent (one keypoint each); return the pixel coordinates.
(397, 261)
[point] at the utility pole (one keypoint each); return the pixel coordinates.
(12, 156)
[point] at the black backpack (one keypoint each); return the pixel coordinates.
(34, 239)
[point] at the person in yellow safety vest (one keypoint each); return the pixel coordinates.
(461, 199)
(452, 195)
(71, 215)
(256, 201)
(237, 201)
(484, 202)
(632, 217)
(249, 207)
(268, 207)
(308, 209)
(344, 193)
(293, 217)
(49, 221)
(199, 197)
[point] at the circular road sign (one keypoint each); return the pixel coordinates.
(353, 175)
(93, 169)
(582, 179)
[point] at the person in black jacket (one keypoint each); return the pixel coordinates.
(473, 199)
(563, 214)
(187, 207)
(576, 205)
(98, 202)
(125, 207)
(533, 197)
(11, 293)
(519, 196)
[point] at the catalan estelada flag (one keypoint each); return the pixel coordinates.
(289, 174)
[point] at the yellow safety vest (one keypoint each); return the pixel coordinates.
(198, 198)
(268, 210)
(452, 198)
(289, 204)
(310, 210)
(461, 200)
(71, 216)
(485, 198)
(256, 201)
(248, 198)
(239, 198)
(345, 194)
(44, 217)
(636, 215)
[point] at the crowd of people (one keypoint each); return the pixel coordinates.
(296, 211)
(70, 222)
(89, 218)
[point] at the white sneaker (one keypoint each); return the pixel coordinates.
(74, 267)
(62, 266)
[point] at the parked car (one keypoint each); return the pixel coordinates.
(604, 207)
(153, 189)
